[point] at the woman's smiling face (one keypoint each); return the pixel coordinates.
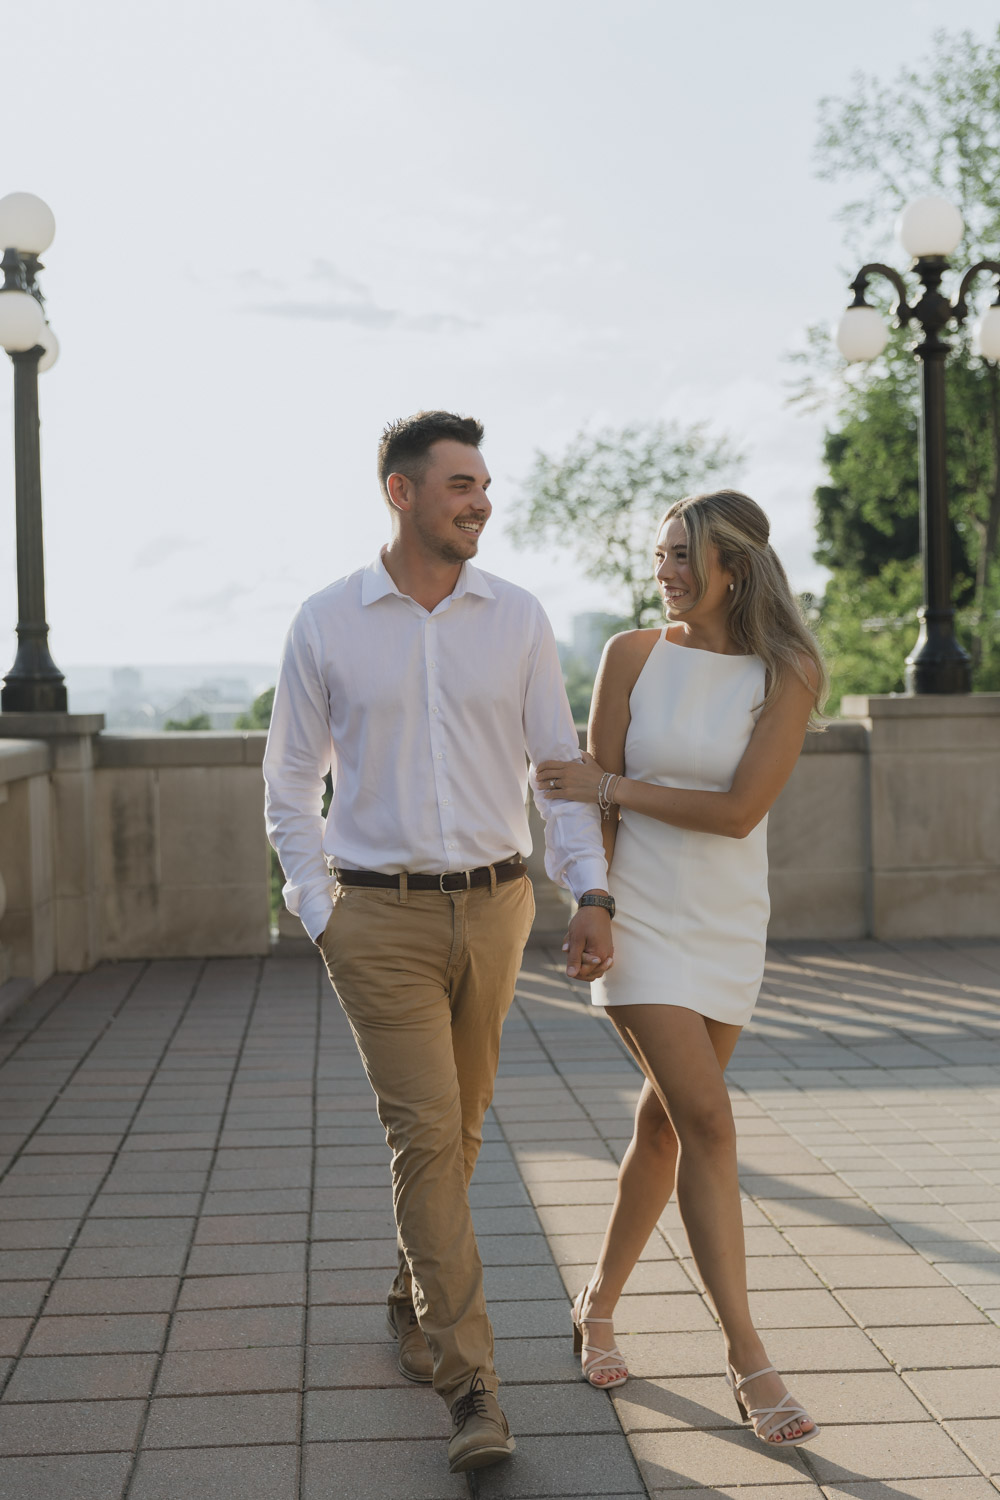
(677, 584)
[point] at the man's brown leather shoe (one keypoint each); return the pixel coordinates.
(479, 1432)
(415, 1359)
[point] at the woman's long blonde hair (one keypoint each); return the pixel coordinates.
(764, 617)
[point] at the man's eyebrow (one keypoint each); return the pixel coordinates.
(468, 479)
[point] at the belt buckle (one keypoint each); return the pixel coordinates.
(450, 890)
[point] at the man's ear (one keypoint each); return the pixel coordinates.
(400, 491)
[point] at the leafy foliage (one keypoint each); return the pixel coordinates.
(259, 715)
(603, 498)
(196, 722)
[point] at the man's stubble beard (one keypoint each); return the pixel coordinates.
(444, 550)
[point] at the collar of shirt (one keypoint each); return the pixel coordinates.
(376, 584)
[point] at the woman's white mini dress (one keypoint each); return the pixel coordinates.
(692, 910)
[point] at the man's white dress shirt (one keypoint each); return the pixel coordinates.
(424, 719)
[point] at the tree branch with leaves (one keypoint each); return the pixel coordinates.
(602, 499)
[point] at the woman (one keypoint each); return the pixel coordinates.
(694, 731)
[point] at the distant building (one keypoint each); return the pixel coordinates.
(127, 707)
(222, 699)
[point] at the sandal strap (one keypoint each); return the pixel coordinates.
(602, 1358)
(745, 1379)
(763, 1417)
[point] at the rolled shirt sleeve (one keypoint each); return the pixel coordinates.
(574, 850)
(298, 756)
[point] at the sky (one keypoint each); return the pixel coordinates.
(280, 227)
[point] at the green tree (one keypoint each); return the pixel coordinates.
(197, 721)
(934, 129)
(259, 715)
(603, 497)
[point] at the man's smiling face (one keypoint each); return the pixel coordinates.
(450, 506)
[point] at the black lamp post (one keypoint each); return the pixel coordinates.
(929, 230)
(34, 683)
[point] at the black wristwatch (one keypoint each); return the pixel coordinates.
(591, 899)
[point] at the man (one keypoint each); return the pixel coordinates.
(421, 682)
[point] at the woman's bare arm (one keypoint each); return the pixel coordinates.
(624, 658)
(765, 767)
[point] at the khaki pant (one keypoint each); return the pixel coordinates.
(426, 983)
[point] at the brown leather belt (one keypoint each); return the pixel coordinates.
(458, 880)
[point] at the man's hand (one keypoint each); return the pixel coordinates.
(589, 946)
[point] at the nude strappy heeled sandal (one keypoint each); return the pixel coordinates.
(768, 1420)
(594, 1360)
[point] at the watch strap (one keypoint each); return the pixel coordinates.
(591, 899)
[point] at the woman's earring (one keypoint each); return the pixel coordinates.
(732, 586)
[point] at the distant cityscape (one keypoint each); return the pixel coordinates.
(150, 697)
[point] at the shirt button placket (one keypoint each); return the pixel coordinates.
(438, 741)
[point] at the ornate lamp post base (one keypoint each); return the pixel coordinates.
(937, 663)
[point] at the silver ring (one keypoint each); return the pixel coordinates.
(551, 785)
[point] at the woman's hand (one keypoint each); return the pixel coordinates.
(570, 780)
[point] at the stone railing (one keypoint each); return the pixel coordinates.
(152, 846)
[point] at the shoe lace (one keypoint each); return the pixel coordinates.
(472, 1404)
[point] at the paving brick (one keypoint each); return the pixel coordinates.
(12, 1334)
(708, 1403)
(675, 1460)
(40, 1234)
(406, 1470)
(70, 1426)
(124, 1234)
(280, 1289)
(82, 1377)
(793, 1309)
(903, 1306)
(794, 1491)
(218, 1371)
(966, 1488)
(937, 1347)
(258, 1473)
(846, 1239)
(223, 1260)
(90, 1476)
(271, 1201)
(346, 1415)
(366, 1365)
(114, 1295)
(957, 1393)
(137, 1260)
(28, 1265)
(113, 1334)
(876, 1271)
(237, 1328)
(145, 1205)
(20, 1299)
(251, 1229)
(896, 1450)
(222, 1421)
(980, 1439)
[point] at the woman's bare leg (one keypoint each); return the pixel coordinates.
(646, 1180)
(679, 1052)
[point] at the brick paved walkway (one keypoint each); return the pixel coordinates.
(195, 1238)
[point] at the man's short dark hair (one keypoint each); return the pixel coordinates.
(405, 444)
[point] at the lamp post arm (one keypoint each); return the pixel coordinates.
(990, 268)
(902, 310)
